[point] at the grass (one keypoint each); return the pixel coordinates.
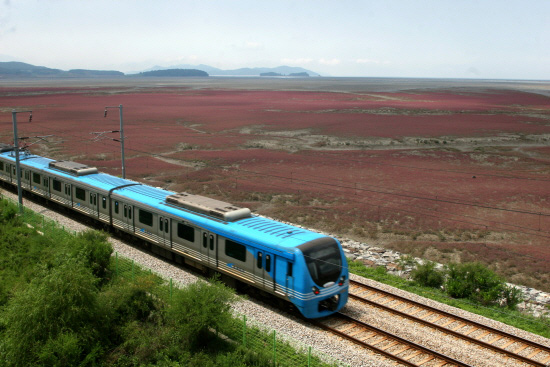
(44, 239)
(539, 326)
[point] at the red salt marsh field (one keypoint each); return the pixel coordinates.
(445, 173)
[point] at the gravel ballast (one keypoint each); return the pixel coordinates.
(291, 328)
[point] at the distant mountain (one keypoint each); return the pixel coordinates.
(20, 69)
(174, 72)
(14, 69)
(282, 70)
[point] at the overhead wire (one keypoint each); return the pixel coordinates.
(263, 174)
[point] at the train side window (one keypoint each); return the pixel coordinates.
(289, 269)
(235, 250)
(1, 166)
(56, 185)
(116, 207)
(268, 263)
(259, 260)
(146, 217)
(204, 240)
(125, 210)
(211, 242)
(186, 232)
(161, 224)
(36, 178)
(91, 198)
(166, 228)
(104, 199)
(13, 170)
(130, 210)
(80, 194)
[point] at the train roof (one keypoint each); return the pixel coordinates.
(218, 216)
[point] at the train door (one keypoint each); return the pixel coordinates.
(68, 199)
(289, 286)
(128, 217)
(13, 174)
(93, 204)
(209, 248)
(104, 208)
(164, 231)
(264, 269)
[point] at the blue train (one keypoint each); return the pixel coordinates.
(303, 267)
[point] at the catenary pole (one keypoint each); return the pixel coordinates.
(16, 150)
(121, 130)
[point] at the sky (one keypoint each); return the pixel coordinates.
(487, 39)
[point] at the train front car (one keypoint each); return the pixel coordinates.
(325, 277)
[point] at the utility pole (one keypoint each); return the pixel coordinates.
(16, 149)
(121, 136)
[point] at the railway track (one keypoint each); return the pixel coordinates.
(402, 351)
(512, 346)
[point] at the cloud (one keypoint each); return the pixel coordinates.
(371, 61)
(367, 61)
(253, 45)
(473, 71)
(298, 61)
(324, 61)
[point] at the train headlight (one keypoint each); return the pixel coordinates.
(315, 290)
(342, 280)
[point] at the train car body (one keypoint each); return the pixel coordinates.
(303, 267)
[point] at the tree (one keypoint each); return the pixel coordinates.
(54, 321)
(198, 308)
(94, 248)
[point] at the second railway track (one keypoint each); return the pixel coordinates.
(399, 350)
(512, 346)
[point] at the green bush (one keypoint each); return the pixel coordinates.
(55, 320)
(427, 275)
(474, 281)
(198, 308)
(511, 297)
(8, 212)
(92, 246)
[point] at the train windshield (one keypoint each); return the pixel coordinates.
(323, 260)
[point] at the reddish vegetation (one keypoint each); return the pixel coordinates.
(479, 200)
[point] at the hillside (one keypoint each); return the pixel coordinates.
(13, 69)
(281, 70)
(174, 73)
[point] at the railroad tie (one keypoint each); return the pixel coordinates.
(448, 322)
(370, 335)
(389, 345)
(347, 328)
(482, 335)
(546, 360)
(402, 350)
(425, 360)
(508, 344)
(379, 341)
(535, 352)
(497, 338)
(412, 355)
(520, 349)
(459, 326)
(437, 319)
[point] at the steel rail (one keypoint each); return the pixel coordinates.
(450, 331)
(388, 336)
